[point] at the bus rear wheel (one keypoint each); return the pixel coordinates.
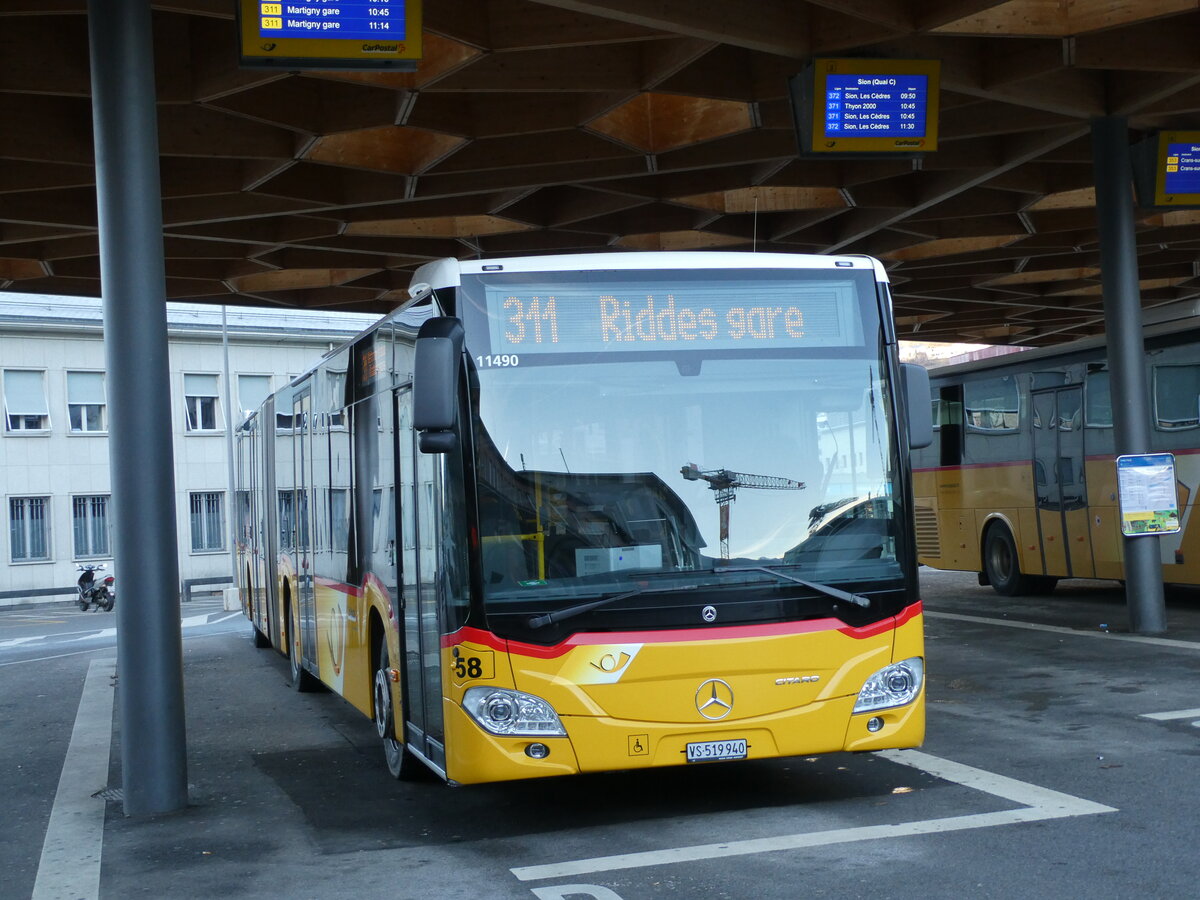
(1002, 565)
(402, 765)
(302, 681)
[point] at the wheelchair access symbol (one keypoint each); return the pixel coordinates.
(639, 745)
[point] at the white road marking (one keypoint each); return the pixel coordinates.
(203, 619)
(1167, 716)
(17, 642)
(1059, 629)
(1040, 804)
(70, 863)
(20, 662)
(75, 637)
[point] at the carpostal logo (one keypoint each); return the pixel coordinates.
(382, 48)
(910, 143)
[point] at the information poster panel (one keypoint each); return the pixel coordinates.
(331, 34)
(1177, 169)
(1146, 490)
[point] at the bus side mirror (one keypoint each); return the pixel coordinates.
(435, 383)
(916, 397)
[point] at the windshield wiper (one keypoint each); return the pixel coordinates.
(828, 590)
(572, 611)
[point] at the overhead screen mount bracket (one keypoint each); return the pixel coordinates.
(866, 108)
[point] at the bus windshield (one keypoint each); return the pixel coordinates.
(647, 481)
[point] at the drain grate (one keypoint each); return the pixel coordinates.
(117, 795)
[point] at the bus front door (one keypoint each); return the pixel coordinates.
(306, 601)
(422, 694)
(1061, 490)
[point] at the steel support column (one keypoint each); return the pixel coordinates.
(1126, 353)
(133, 284)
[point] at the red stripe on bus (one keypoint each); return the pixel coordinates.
(910, 612)
(373, 579)
(339, 586)
(884, 625)
(732, 632)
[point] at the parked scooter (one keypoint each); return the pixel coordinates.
(95, 594)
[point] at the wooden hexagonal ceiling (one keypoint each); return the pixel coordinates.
(592, 125)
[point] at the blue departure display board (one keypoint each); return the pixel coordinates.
(331, 34)
(856, 106)
(876, 105)
(1181, 171)
(344, 19)
(1177, 169)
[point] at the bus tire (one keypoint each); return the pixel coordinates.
(402, 765)
(1002, 565)
(302, 681)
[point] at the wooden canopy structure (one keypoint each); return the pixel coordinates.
(546, 126)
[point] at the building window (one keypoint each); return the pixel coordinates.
(336, 384)
(25, 406)
(287, 521)
(89, 520)
(29, 528)
(208, 521)
(200, 398)
(339, 519)
(85, 401)
(252, 391)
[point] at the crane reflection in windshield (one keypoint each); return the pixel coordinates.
(538, 525)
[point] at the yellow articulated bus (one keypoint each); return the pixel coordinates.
(1020, 482)
(587, 513)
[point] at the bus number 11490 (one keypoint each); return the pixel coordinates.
(499, 360)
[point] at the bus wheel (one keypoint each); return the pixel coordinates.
(1002, 565)
(400, 762)
(302, 681)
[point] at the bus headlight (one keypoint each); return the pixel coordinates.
(893, 685)
(507, 712)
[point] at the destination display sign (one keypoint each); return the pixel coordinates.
(867, 105)
(876, 105)
(323, 34)
(573, 318)
(1177, 175)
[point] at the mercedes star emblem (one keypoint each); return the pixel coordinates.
(714, 699)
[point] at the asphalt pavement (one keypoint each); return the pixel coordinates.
(1060, 761)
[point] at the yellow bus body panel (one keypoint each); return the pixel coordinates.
(635, 704)
(631, 701)
(1093, 538)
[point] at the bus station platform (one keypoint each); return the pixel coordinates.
(1060, 760)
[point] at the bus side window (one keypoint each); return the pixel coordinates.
(948, 421)
(1097, 400)
(1176, 389)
